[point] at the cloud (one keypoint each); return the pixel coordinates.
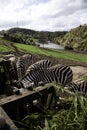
(84, 1)
(51, 15)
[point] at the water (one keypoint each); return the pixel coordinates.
(52, 45)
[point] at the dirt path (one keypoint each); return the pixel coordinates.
(79, 72)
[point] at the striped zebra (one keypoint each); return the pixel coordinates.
(22, 65)
(12, 70)
(61, 74)
(40, 65)
(80, 88)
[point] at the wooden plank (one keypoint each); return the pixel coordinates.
(8, 120)
(27, 95)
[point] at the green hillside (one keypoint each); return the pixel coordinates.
(76, 39)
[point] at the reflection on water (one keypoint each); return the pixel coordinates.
(52, 45)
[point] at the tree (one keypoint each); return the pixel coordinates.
(43, 39)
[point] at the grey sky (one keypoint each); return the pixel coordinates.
(46, 15)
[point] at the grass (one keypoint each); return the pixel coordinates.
(71, 114)
(4, 48)
(53, 53)
(7, 46)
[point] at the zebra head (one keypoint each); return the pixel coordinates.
(28, 85)
(22, 65)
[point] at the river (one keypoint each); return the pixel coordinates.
(51, 45)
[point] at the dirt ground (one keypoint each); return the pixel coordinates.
(79, 72)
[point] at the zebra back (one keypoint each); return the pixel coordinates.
(80, 87)
(61, 74)
(40, 65)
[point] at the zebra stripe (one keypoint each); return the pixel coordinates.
(40, 65)
(79, 87)
(61, 74)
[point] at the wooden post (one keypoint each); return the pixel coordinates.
(7, 119)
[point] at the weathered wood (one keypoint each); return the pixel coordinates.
(27, 96)
(10, 103)
(7, 119)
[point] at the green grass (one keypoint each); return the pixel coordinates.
(71, 114)
(53, 53)
(5, 46)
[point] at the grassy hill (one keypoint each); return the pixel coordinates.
(76, 39)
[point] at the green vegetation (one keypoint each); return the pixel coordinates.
(76, 39)
(53, 52)
(70, 114)
(6, 46)
(28, 36)
(4, 49)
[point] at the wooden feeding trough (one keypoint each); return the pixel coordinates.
(10, 105)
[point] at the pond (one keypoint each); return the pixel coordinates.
(51, 45)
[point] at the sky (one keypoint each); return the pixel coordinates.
(43, 15)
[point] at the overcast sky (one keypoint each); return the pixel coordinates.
(46, 15)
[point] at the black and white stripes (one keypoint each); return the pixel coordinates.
(27, 73)
(22, 65)
(12, 69)
(42, 64)
(80, 87)
(24, 73)
(61, 74)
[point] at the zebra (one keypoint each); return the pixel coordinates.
(36, 66)
(61, 74)
(40, 65)
(80, 87)
(22, 65)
